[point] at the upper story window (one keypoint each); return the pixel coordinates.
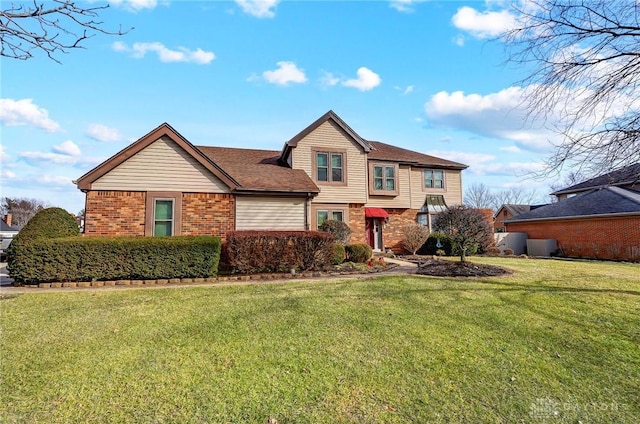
(433, 179)
(383, 179)
(330, 167)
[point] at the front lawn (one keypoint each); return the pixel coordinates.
(555, 342)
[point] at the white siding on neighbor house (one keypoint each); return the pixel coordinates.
(270, 213)
(402, 200)
(452, 192)
(161, 166)
(329, 136)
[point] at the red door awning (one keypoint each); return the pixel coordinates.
(375, 213)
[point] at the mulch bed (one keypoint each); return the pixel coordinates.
(446, 268)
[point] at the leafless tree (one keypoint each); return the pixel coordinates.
(415, 235)
(479, 196)
(466, 227)
(52, 27)
(585, 78)
(21, 209)
(514, 196)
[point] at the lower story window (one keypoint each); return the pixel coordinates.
(163, 214)
(324, 215)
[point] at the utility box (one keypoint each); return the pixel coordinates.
(514, 241)
(541, 247)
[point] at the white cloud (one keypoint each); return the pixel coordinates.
(101, 132)
(54, 180)
(367, 80)
(286, 73)
(259, 8)
(511, 149)
(458, 40)
(483, 24)
(498, 115)
(7, 174)
(24, 112)
(166, 55)
(485, 164)
(4, 157)
(68, 148)
(328, 79)
(406, 6)
(408, 90)
(135, 5)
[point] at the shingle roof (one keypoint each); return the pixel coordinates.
(600, 201)
(6, 228)
(623, 176)
(259, 170)
(383, 151)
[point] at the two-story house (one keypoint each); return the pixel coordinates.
(163, 185)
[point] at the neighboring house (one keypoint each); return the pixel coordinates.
(164, 185)
(7, 233)
(599, 218)
(509, 211)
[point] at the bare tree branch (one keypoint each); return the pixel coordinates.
(585, 81)
(52, 27)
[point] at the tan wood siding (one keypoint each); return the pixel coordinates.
(452, 192)
(162, 166)
(270, 213)
(402, 200)
(329, 136)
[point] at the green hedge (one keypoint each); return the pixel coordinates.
(48, 223)
(431, 245)
(279, 251)
(339, 254)
(117, 258)
(359, 253)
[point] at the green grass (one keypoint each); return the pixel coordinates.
(557, 341)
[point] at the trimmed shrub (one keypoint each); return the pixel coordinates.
(339, 230)
(431, 245)
(48, 223)
(115, 258)
(359, 253)
(279, 251)
(339, 254)
(493, 251)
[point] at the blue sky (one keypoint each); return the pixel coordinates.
(417, 74)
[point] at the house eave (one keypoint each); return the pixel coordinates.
(572, 217)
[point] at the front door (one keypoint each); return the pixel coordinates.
(374, 233)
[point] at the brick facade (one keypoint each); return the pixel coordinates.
(357, 223)
(207, 214)
(392, 234)
(498, 224)
(123, 213)
(602, 238)
(115, 213)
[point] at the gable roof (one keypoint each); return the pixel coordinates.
(163, 130)
(387, 152)
(330, 115)
(624, 176)
(260, 170)
(514, 209)
(604, 201)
